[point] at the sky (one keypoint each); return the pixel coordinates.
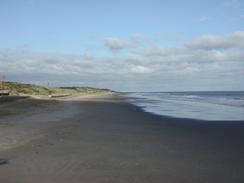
(124, 45)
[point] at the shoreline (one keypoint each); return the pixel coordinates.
(206, 106)
(107, 139)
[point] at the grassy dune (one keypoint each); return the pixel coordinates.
(20, 89)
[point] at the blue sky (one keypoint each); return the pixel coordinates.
(76, 26)
(115, 30)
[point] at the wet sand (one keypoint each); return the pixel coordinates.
(104, 139)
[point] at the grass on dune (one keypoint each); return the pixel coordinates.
(29, 89)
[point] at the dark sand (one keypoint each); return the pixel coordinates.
(107, 140)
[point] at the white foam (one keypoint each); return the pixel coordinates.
(197, 106)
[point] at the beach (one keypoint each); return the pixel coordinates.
(105, 139)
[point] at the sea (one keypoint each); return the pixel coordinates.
(206, 105)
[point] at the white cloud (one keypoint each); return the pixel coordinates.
(137, 69)
(206, 60)
(115, 44)
(233, 40)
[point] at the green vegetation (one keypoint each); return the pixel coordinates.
(15, 88)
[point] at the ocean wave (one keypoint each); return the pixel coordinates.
(195, 105)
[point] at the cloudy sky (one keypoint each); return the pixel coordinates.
(125, 45)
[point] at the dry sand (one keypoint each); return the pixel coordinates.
(104, 139)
